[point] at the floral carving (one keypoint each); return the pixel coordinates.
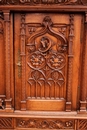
(56, 61)
(8, 2)
(45, 124)
(62, 30)
(29, 2)
(31, 30)
(36, 60)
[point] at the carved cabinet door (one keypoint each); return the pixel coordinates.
(47, 61)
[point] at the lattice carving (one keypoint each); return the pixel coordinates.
(35, 2)
(82, 125)
(45, 124)
(6, 123)
(46, 59)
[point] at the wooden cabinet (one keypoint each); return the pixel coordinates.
(43, 65)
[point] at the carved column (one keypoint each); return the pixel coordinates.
(70, 64)
(8, 100)
(84, 70)
(22, 42)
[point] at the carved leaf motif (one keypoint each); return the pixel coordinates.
(31, 30)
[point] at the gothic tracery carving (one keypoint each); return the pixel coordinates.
(47, 58)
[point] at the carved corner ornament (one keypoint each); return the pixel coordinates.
(36, 2)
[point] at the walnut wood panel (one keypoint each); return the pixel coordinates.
(43, 64)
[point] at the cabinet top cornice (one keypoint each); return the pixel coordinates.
(49, 5)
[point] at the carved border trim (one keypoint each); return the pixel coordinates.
(22, 42)
(45, 123)
(7, 60)
(37, 2)
(84, 70)
(70, 63)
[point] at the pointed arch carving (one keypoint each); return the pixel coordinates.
(47, 24)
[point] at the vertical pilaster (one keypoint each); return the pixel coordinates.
(22, 44)
(84, 70)
(8, 99)
(70, 64)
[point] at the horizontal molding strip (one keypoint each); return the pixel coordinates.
(53, 8)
